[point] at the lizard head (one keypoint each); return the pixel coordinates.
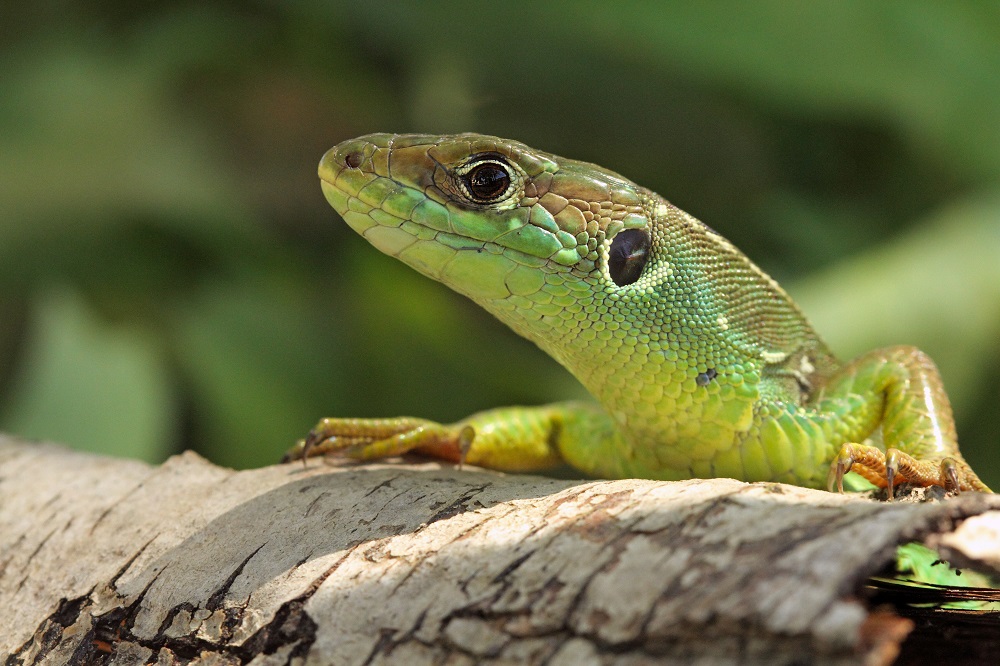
(493, 219)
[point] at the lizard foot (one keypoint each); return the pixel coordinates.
(890, 468)
(368, 439)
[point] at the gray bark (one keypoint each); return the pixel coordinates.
(116, 562)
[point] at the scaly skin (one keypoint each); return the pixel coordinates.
(703, 365)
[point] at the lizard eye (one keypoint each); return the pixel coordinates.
(487, 180)
(627, 256)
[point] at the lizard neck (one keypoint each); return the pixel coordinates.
(698, 345)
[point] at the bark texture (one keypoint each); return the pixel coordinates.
(106, 561)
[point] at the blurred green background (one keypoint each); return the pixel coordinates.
(171, 277)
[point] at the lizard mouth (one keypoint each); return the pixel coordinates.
(482, 270)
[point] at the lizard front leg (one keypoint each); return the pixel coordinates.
(516, 439)
(900, 390)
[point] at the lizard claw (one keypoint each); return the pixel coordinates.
(949, 474)
(304, 446)
(301, 449)
(465, 437)
(296, 452)
(841, 466)
(891, 469)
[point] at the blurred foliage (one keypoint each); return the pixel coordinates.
(172, 277)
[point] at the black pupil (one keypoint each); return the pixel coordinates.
(627, 256)
(488, 181)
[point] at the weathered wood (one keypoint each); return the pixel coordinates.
(112, 561)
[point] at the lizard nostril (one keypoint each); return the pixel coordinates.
(354, 159)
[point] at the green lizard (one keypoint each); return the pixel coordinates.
(703, 366)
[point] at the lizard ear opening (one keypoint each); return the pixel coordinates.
(627, 256)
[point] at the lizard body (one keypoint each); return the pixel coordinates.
(703, 366)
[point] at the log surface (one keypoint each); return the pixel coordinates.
(107, 561)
